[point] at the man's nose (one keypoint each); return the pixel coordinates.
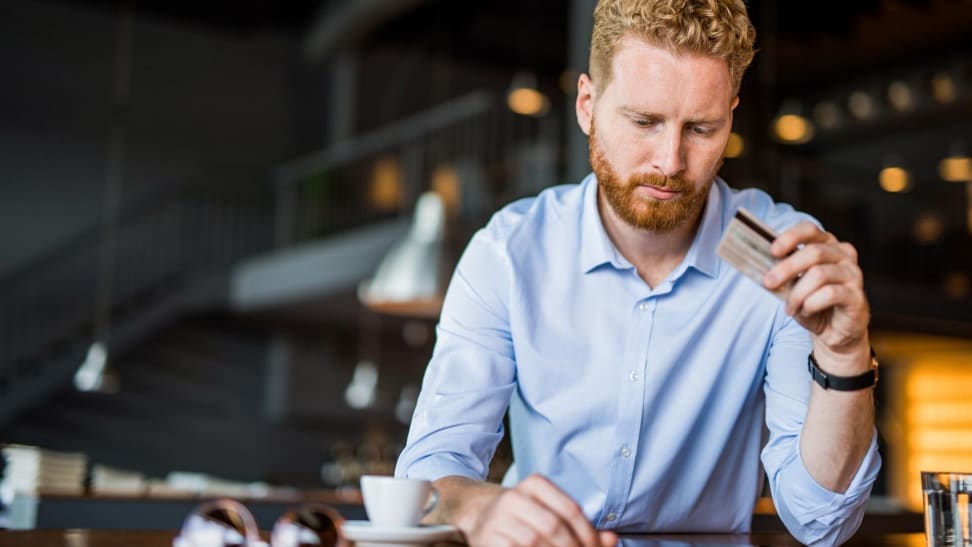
(668, 158)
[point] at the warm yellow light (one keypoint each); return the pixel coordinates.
(894, 179)
(793, 128)
(926, 380)
(939, 413)
(952, 385)
(911, 540)
(527, 101)
(861, 105)
(735, 145)
(937, 461)
(445, 182)
(928, 228)
(936, 423)
(943, 88)
(968, 206)
(958, 286)
(935, 440)
(385, 192)
(827, 115)
(956, 169)
(931, 461)
(900, 96)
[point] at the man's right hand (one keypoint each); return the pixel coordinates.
(533, 513)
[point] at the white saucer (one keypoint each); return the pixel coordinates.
(364, 531)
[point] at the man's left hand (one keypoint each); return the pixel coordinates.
(827, 296)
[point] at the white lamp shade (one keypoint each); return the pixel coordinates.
(409, 280)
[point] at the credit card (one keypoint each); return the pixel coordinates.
(746, 247)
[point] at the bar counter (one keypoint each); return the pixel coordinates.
(163, 538)
(60, 511)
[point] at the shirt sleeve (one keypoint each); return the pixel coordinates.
(813, 514)
(458, 419)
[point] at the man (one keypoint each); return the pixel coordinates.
(638, 368)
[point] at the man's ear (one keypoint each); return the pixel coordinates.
(732, 110)
(586, 95)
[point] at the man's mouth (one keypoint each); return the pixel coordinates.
(658, 192)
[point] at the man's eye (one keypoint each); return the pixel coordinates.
(701, 130)
(642, 122)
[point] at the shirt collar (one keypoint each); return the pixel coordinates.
(597, 249)
(702, 254)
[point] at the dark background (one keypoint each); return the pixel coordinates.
(245, 133)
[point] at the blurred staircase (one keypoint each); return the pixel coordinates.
(206, 273)
(191, 399)
(173, 250)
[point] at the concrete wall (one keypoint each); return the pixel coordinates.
(201, 100)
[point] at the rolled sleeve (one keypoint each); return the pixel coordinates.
(458, 419)
(813, 514)
(443, 464)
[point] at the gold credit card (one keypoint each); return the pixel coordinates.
(746, 246)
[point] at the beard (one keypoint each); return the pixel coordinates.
(647, 213)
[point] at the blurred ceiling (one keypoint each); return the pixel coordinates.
(810, 53)
(238, 15)
(807, 49)
(826, 40)
(840, 34)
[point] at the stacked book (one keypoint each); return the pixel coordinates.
(110, 480)
(207, 485)
(32, 469)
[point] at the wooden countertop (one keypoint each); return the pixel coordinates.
(163, 538)
(279, 495)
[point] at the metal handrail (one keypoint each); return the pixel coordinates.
(328, 191)
(394, 134)
(171, 231)
(92, 232)
(162, 237)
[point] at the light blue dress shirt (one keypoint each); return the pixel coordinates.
(646, 405)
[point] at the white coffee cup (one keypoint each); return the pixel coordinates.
(394, 502)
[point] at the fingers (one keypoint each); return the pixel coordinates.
(804, 246)
(801, 261)
(563, 507)
(826, 285)
(521, 530)
(508, 523)
(535, 524)
(537, 513)
(608, 538)
(801, 234)
(825, 298)
(818, 278)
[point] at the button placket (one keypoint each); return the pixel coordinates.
(628, 424)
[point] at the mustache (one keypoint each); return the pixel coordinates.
(675, 183)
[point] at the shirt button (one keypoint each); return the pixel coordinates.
(643, 306)
(625, 452)
(633, 376)
(611, 517)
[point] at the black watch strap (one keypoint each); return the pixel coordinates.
(844, 383)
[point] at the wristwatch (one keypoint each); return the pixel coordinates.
(844, 383)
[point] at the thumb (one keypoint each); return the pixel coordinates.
(608, 538)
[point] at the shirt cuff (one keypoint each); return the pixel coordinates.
(435, 467)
